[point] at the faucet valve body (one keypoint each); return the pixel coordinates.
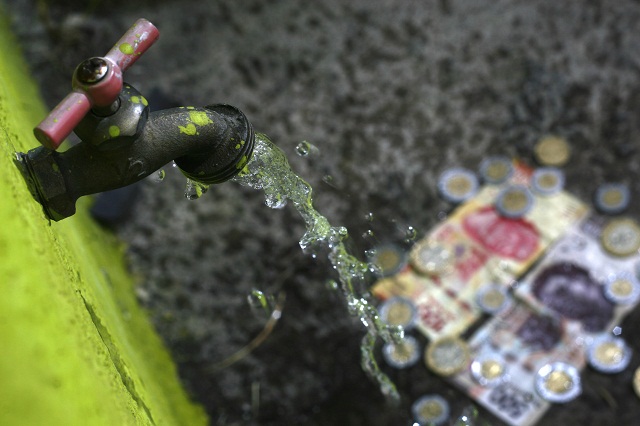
(97, 82)
(122, 141)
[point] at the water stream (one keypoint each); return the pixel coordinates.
(269, 171)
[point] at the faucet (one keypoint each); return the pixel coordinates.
(122, 142)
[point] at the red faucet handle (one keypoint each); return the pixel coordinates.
(133, 44)
(97, 82)
(61, 121)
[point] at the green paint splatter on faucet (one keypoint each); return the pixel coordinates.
(126, 48)
(189, 129)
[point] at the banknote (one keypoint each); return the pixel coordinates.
(573, 279)
(476, 246)
(440, 312)
(524, 341)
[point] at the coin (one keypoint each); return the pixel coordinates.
(399, 311)
(514, 202)
(389, 258)
(430, 410)
(496, 169)
(558, 382)
(489, 369)
(612, 198)
(547, 181)
(552, 151)
(457, 184)
(447, 356)
(431, 258)
(621, 237)
(609, 354)
(636, 381)
(622, 288)
(402, 354)
(492, 298)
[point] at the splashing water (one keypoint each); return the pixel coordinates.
(258, 299)
(306, 149)
(410, 234)
(194, 190)
(468, 417)
(332, 285)
(269, 170)
(370, 236)
(328, 179)
(158, 176)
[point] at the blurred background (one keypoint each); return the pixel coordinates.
(391, 93)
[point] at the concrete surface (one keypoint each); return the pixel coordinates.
(77, 349)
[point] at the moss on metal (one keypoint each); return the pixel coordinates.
(76, 349)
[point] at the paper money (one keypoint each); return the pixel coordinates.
(571, 280)
(474, 247)
(525, 341)
(440, 313)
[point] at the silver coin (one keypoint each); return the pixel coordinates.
(389, 259)
(496, 169)
(431, 258)
(400, 311)
(402, 354)
(492, 298)
(489, 369)
(609, 354)
(514, 202)
(612, 198)
(622, 288)
(430, 410)
(457, 184)
(558, 382)
(547, 181)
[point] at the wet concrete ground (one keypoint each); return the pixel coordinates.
(391, 94)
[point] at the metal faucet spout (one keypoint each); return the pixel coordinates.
(209, 145)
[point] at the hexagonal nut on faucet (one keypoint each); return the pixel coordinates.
(122, 125)
(49, 184)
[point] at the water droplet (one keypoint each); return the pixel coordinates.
(370, 237)
(410, 234)
(195, 190)
(375, 269)
(332, 285)
(305, 149)
(343, 232)
(327, 179)
(173, 164)
(467, 417)
(396, 333)
(158, 176)
(257, 299)
(275, 201)
(369, 217)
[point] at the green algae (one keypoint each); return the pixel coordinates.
(76, 347)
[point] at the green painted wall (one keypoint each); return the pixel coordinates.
(75, 349)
